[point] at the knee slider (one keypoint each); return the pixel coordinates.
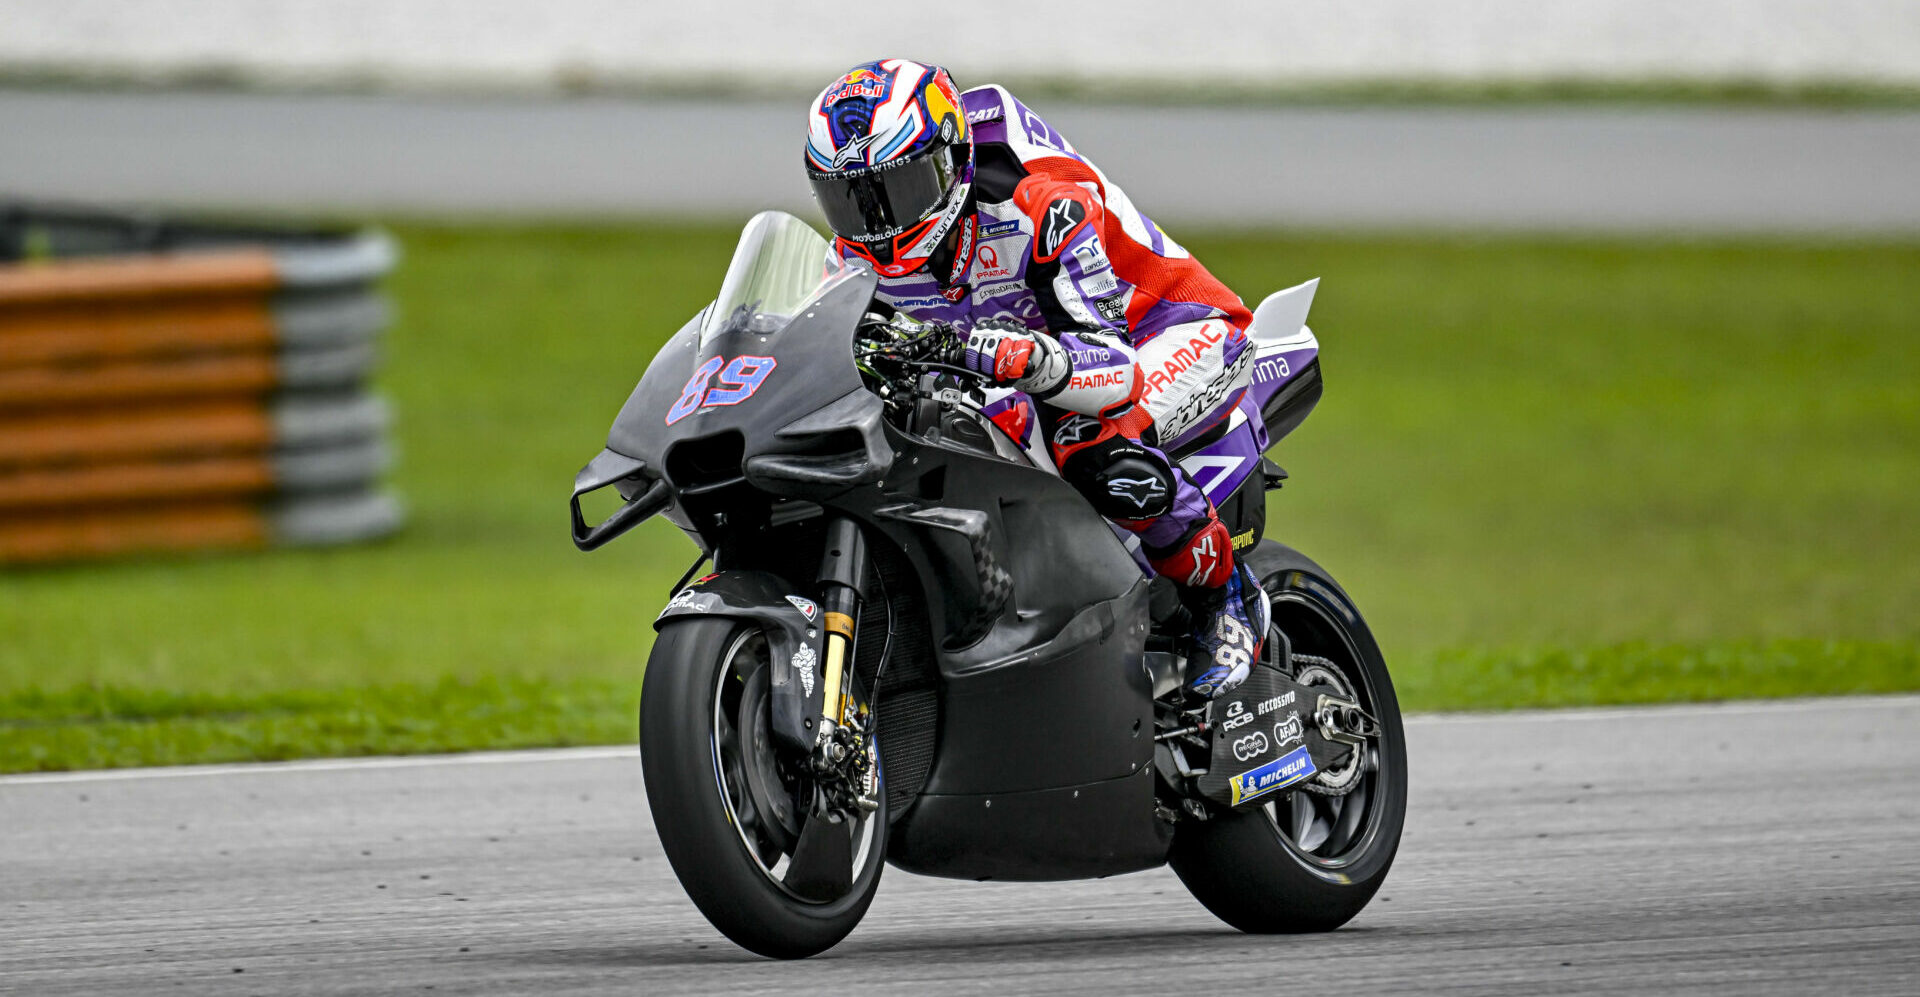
(1132, 488)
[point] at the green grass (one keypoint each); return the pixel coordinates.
(1550, 472)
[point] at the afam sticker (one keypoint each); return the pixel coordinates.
(1288, 731)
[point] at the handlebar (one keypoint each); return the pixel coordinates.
(915, 347)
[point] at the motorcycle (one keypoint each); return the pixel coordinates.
(919, 645)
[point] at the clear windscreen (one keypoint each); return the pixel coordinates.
(780, 265)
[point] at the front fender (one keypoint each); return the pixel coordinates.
(795, 639)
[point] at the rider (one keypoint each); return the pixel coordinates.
(976, 213)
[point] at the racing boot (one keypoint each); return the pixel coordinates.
(1230, 628)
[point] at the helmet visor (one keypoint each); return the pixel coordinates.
(876, 204)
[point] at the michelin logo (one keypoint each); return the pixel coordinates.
(1280, 773)
(998, 229)
(803, 661)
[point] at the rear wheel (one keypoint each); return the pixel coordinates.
(1312, 858)
(733, 815)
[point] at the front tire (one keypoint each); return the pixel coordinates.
(1307, 862)
(716, 792)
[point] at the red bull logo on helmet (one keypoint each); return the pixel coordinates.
(859, 83)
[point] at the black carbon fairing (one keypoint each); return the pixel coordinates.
(811, 367)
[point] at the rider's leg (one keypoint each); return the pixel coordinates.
(1192, 376)
(1112, 460)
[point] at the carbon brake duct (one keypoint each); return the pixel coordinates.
(996, 585)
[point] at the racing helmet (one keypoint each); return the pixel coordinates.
(891, 162)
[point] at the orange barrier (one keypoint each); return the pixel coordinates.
(139, 277)
(100, 484)
(118, 532)
(169, 396)
(72, 332)
(193, 377)
(142, 433)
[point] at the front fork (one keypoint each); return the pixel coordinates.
(842, 729)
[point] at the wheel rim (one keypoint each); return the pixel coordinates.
(1327, 833)
(757, 790)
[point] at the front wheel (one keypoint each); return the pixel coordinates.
(1310, 859)
(731, 813)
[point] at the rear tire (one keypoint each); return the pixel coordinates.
(1242, 866)
(693, 663)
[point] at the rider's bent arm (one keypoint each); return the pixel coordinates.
(1081, 297)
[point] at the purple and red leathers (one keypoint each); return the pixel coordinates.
(1109, 460)
(1125, 344)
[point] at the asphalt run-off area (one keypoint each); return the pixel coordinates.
(1741, 849)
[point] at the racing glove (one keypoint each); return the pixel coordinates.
(1010, 354)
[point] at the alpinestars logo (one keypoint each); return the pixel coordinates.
(855, 148)
(1204, 555)
(1063, 216)
(1142, 492)
(1075, 429)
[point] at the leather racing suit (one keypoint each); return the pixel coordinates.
(1158, 346)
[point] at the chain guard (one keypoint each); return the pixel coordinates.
(1267, 738)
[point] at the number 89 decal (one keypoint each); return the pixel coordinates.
(741, 378)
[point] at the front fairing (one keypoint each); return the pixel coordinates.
(808, 366)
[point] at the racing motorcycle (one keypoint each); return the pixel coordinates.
(919, 645)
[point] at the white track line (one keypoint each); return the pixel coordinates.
(334, 764)
(1737, 708)
(1732, 708)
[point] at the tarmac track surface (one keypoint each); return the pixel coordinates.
(1742, 849)
(1620, 169)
